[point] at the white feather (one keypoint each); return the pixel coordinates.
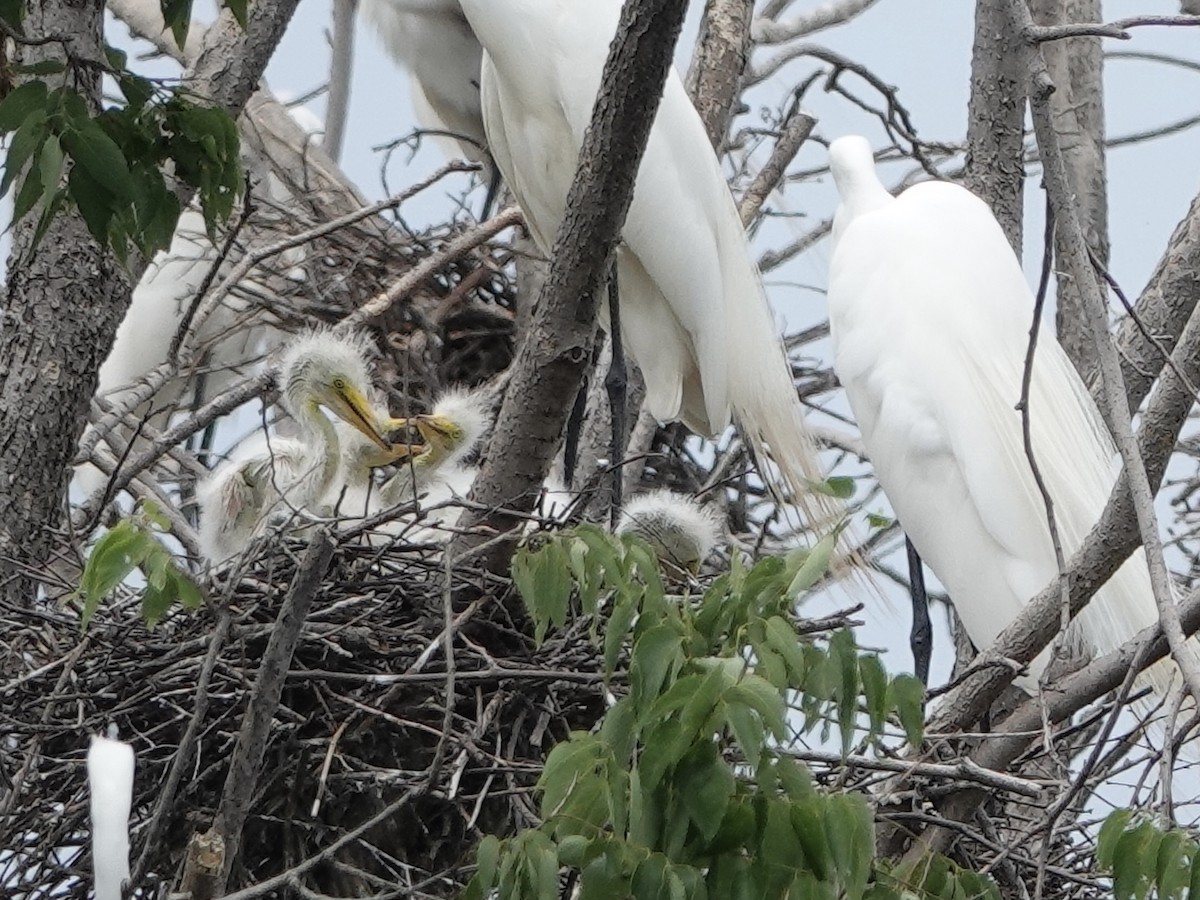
(110, 793)
(694, 314)
(930, 315)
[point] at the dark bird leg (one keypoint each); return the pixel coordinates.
(920, 638)
(575, 424)
(493, 190)
(616, 384)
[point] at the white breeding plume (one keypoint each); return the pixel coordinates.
(930, 317)
(110, 793)
(693, 311)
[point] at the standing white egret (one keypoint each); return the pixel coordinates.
(681, 531)
(318, 369)
(693, 311)
(431, 38)
(930, 314)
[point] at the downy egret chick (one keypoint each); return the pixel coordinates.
(930, 314)
(319, 369)
(680, 530)
(451, 432)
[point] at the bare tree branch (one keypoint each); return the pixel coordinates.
(715, 76)
(341, 65)
(1118, 29)
(1076, 67)
(244, 767)
(827, 15)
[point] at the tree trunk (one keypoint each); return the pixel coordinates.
(996, 119)
(62, 305)
(1076, 66)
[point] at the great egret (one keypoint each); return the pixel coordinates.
(930, 314)
(681, 531)
(693, 311)
(318, 369)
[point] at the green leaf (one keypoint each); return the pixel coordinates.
(781, 637)
(874, 684)
(51, 161)
(908, 698)
(238, 8)
(764, 699)
(111, 561)
(12, 12)
(177, 14)
(815, 565)
(839, 486)
(30, 192)
(1172, 871)
(1110, 832)
(617, 629)
(93, 202)
(93, 149)
(21, 103)
(874, 520)
(24, 143)
(747, 731)
(655, 654)
(706, 785)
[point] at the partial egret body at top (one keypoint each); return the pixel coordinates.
(110, 766)
(318, 370)
(930, 315)
(432, 40)
(694, 314)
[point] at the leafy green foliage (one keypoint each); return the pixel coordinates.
(111, 165)
(135, 543)
(684, 790)
(1146, 861)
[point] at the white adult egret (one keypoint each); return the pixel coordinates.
(318, 369)
(431, 38)
(930, 314)
(681, 531)
(693, 311)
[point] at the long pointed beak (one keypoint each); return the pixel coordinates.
(433, 429)
(359, 413)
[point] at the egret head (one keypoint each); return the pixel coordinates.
(325, 368)
(681, 531)
(459, 420)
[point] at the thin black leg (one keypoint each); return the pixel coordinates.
(575, 425)
(616, 383)
(493, 189)
(920, 639)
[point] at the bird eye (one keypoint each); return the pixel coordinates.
(339, 384)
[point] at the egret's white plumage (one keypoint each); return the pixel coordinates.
(693, 311)
(681, 531)
(930, 314)
(319, 369)
(431, 38)
(110, 767)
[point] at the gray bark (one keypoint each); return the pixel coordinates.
(722, 52)
(1076, 68)
(63, 303)
(61, 309)
(996, 119)
(550, 366)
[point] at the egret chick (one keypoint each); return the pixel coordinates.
(680, 530)
(319, 369)
(929, 314)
